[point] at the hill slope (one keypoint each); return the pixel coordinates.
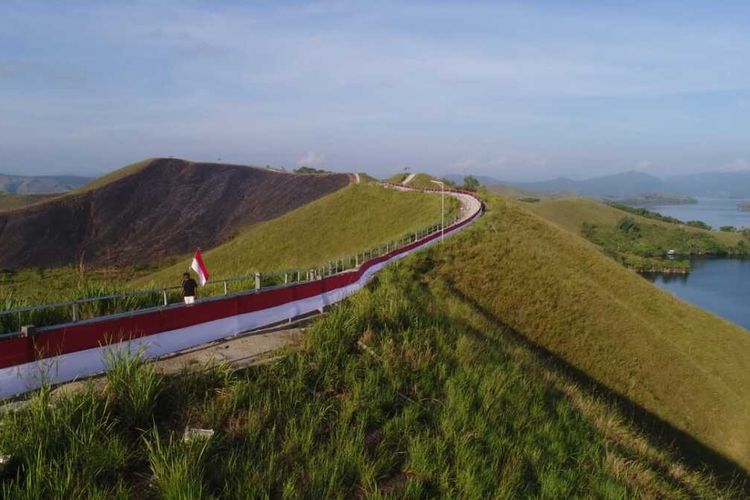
(571, 213)
(42, 184)
(401, 391)
(10, 201)
(686, 367)
(344, 223)
(162, 208)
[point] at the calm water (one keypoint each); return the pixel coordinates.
(715, 212)
(721, 286)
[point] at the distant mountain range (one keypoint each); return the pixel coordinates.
(632, 183)
(43, 184)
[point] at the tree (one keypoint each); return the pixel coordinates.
(471, 183)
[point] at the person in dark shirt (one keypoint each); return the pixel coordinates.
(189, 286)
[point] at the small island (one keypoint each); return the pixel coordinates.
(744, 205)
(652, 199)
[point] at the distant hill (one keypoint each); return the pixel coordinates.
(712, 184)
(45, 184)
(625, 184)
(153, 210)
(632, 183)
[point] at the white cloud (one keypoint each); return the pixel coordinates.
(311, 159)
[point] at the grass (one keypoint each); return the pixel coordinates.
(401, 391)
(644, 247)
(339, 225)
(420, 180)
(676, 362)
(114, 176)
(342, 224)
(10, 201)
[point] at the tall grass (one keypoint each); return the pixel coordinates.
(393, 394)
(680, 364)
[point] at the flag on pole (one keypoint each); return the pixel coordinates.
(200, 268)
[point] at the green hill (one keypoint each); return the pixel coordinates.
(423, 181)
(341, 224)
(404, 391)
(420, 180)
(571, 213)
(512, 361)
(11, 201)
(678, 363)
(638, 238)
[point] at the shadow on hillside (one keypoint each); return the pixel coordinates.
(690, 450)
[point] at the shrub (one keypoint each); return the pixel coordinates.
(628, 225)
(699, 224)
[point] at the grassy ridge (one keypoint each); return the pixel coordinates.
(10, 201)
(680, 363)
(114, 176)
(392, 395)
(341, 224)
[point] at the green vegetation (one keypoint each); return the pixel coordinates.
(470, 183)
(424, 181)
(405, 390)
(10, 201)
(645, 213)
(646, 248)
(514, 192)
(653, 199)
(114, 176)
(367, 179)
(339, 225)
(310, 170)
(699, 224)
(677, 362)
(345, 223)
(397, 178)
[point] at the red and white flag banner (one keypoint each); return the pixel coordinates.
(200, 268)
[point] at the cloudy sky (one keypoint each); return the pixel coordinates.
(517, 90)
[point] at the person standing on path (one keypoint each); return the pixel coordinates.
(189, 286)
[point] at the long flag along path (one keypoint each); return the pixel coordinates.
(72, 351)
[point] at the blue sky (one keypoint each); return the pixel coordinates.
(516, 90)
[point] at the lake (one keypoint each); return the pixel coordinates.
(720, 285)
(715, 212)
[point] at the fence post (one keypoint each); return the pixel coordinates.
(286, 278)
(164, 295)
(226, 291)
(75, 311)
(257, 281)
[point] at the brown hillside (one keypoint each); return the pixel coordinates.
(168, 207)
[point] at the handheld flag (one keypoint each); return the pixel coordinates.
(200, 268)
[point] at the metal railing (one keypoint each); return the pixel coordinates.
(44, 315)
